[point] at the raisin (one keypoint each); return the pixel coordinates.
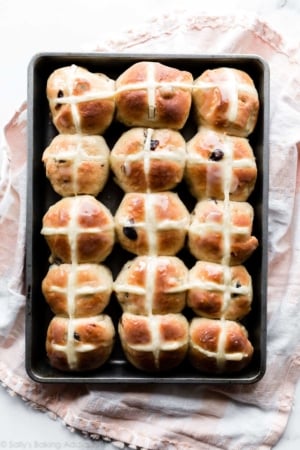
(59, 95)
(76, 336)
(153, 144)
(216, 155)
(237, 285)
(130, 232)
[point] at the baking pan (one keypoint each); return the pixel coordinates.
(40, 196)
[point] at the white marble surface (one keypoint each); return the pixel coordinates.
(30, 27)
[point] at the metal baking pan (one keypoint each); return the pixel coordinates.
(40, 196)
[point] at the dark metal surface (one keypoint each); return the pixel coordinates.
(40, 196)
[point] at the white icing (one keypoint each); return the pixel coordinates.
(244, 87)
(70, 349)
(227, 288)
(70, 230)
(147, 154)
(200, 159)
(73, 347)
(151, 226)
(83, 290)
(168, 224)
(73, 230)
(156, 339)
(130, 288)
(88, 96)
(230, 94)
(78, 154)
(151, 271)
(227, 225)
(151, 83)
(163, 155)
(151, 88)
(74, 109)
(235, 356)
(151, 223)
(71, 291)
(206, 227)
(218, 287)
(72, 236)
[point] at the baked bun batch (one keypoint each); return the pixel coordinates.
(174, 310)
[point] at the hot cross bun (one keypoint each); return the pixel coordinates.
(77, 164)
(152, 224)
(147, 159)
(79, 344)
(226, 99)
(79, 230)
(151, 94)
(80, 101)
(218, 346)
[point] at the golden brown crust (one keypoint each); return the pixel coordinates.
(79, 344)
(77, 290)
(154, 224)
(217, 291)
(148, 159)
(79, 229)
(226, 99)
(152, 285)
(154, 343)
(80, 101)
(218, 346)
(150, 94)
(218, 163)
(220, 233)
(77, 164)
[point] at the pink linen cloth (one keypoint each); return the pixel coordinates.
(181, 417)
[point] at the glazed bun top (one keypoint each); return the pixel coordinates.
(221, 232)
(218, 346)
(217, 291)
(220, 166)
(151, 94)
(152, 224)
(77, 290)
(80, 101)
(79, 230)
(156, 342)
(77, 164)
(147, 159)
(152, 285)
(79, 344)
(226, 99)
